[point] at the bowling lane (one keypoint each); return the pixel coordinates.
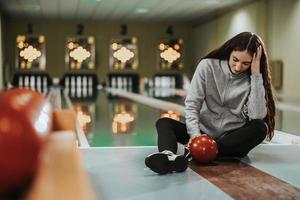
(113, 121)
(123, 169)
(288, 120)
(123, 122)
(167, 94)
(282, 161)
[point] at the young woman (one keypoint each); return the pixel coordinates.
(230, 99)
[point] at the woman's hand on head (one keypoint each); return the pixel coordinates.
(255, 64)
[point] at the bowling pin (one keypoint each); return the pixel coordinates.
(84, 92)
(67, 82)
(20, 81)
(84, 84)
(73, 82)
(113, 82)
(84, 81)
(32, 82)
(78, 82)
(90, 81)
(164, 81)
(90, 91)
(72, 94)
(45, 83)
(173, 82)
(78, 91)
(125, 83)
(150, 83)
(157, 82)
(26, 81)
(119, 84)
(39, 84)
(130, 83)
(169, 82)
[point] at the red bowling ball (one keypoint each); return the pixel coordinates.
(203, 149)
(25, 120)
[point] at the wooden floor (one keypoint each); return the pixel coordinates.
(242, 181)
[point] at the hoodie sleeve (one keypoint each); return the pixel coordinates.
(194, 99)
(257, 108)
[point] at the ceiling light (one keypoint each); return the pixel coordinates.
(212, 1)
(91, 1)
(140, 10)
(32, 7)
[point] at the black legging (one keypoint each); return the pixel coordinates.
(234, 143)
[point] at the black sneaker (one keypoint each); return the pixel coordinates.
(187, 154)
(165, 162)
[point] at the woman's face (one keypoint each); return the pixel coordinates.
(239, 61)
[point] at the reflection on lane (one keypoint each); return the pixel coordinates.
(171, 114)
(84, 116)
(113, 121)
(124, 114)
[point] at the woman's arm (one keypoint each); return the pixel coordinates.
(194, 99)
(257, 108)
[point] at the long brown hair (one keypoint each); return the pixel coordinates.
(250, 41)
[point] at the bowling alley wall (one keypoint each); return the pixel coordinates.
(56, 31)
(277, 22)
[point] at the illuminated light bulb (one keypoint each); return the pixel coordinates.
(20, 45)
(134, 40)
(72, 65)
(30, 53)
(134, 65)
(41, 39)
(21, 38)
(114, 46)
(23, 65)
(91, 40)
(123, 54)
(176, 46)
(80, 54)
(161, 46)
(170, 55)
(91, 65)
(71, 45)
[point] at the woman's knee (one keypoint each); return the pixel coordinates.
(260, 128)
(163, 122)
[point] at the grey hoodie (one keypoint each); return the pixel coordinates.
(219, 101)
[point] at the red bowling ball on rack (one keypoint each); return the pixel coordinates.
(203, 149)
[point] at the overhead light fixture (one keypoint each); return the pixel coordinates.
(91, 1)
(170, 55)
(30, 53)
(123, 54)
(212, 1)
(80, 54)
(32, 7)
(140, 10)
